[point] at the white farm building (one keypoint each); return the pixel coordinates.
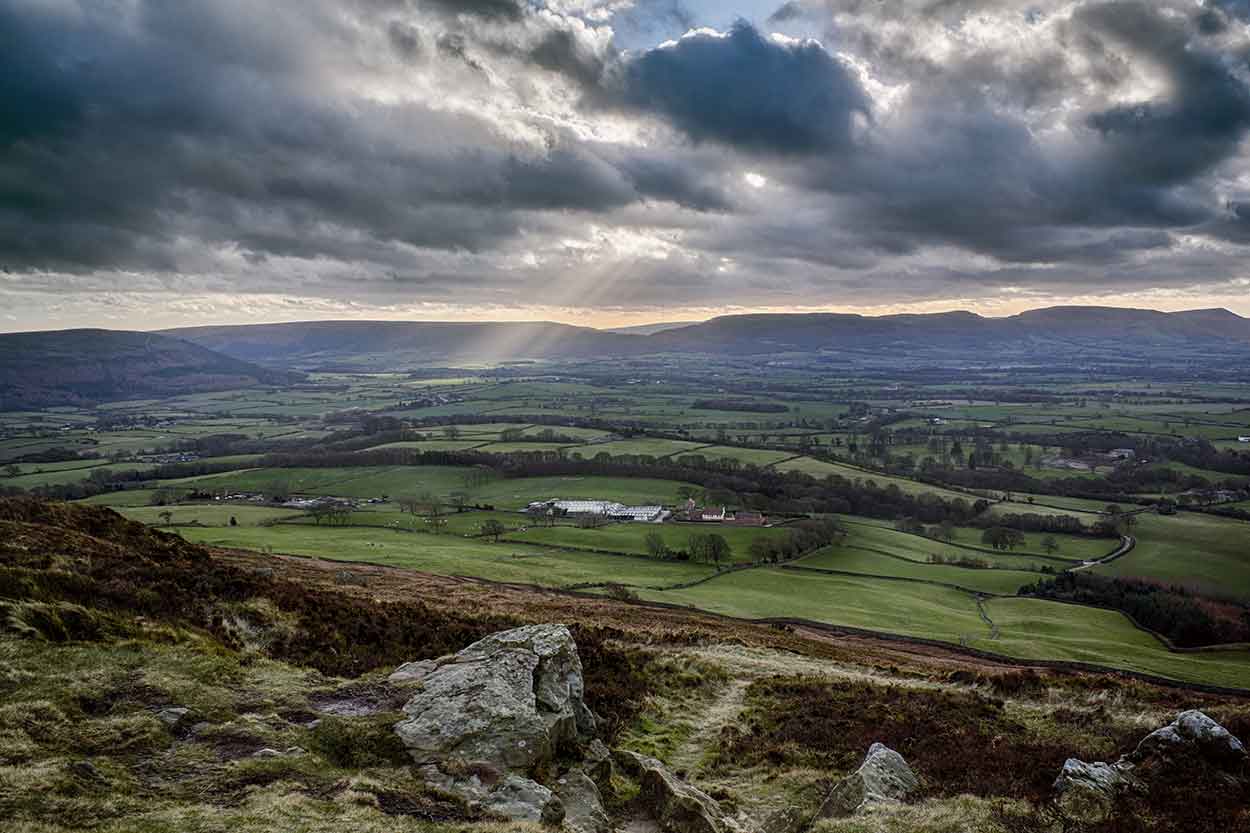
(602, 508)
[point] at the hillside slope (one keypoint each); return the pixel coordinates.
(75, 367)
(1056, 332)
(336, 341)
(154, 685)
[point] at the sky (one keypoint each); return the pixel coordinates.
(615, 162)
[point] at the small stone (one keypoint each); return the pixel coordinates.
(172, 716)
(267, 752)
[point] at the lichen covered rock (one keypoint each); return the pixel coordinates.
(883, 777)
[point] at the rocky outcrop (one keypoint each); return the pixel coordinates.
(677, 806)
(508, 705)
(883, 777)
(1087, 792)
(515, 698)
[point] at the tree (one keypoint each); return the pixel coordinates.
(1002, 538)
(451, 432)
(459, 500)
(166, 517)
(234, 521)
(710, 548)
(1050, 545)
(656, 547)
(408, 503)
(493, 529)
(12, 470)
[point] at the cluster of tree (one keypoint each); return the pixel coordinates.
(1051, 524)
(710, 548)
(744, 405)
(546, 435)
(960, 561)
(1002, 538)
(802, 537)
(1187, 618)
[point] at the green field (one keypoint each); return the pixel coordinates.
(450, 555)
(520, 492)
(858, 601)
(822, 468)
(1189, 548)
(853, 559)
(1036, 629)
(209, 514)
(631, 537)
(647, 446)
(357, 482)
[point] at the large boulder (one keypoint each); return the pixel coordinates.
(1087, 792)
(884, 777)
(514, 698)
(481, 721)
(678, 807)
(1191, 733)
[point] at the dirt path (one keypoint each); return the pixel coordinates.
(721, 712)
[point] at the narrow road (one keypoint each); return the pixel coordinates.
(1127, 542)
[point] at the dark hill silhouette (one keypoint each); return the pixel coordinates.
(74, 367)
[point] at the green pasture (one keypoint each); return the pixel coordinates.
(450, 554)
(1204, 551)
(631, 537)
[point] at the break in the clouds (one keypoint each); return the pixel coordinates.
(225, 159)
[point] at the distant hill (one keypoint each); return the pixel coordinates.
(1054, 332)
(651, 329)
(75, 367)
(1054, 329)
(308, 343)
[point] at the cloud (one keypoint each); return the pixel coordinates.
(388, 151)
(748, 91)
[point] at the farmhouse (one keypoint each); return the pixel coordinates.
(1243, 439)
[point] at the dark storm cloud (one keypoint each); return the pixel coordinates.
(118, 141)
(488, 9)
(961, 163)
(398, 140)
(750, 92)
(792, 10)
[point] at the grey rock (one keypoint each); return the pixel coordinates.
(583, 804)
(172, 716)
(503, 793)
(678, 806)
(267, 752)
(1191, 732)
(515, 698)
(598, 763)
(883, 778)
(1087, 792)
(411, 672)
